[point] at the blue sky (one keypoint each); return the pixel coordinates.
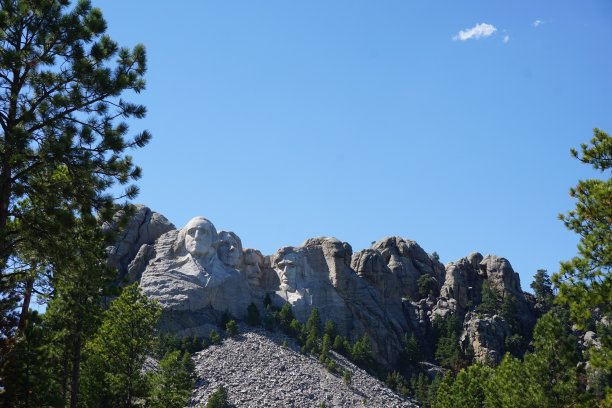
(448, 123)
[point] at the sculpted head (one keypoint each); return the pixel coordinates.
(289, 270)
(230, 249)
(199, 237)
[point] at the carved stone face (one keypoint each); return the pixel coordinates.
(289, 271)
(200, 235)
(230, 249)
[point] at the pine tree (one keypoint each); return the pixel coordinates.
(554, 360)
(171, 386)
(285, 316)
(253, 318)
(585, 282)
(361, 354)
(542, 288)
(62, 147)
(512, 385)
(313, 324)
(113, 371)
(467, 390)
(77, 284)
(29, 381)
(218, 399)
(330, 329)
(427, 285)
(490, 299)
(231, 328)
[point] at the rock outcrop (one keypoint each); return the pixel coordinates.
(484, 337)
(318, 274)
(143, 228)
(408, 262)
(198, 275)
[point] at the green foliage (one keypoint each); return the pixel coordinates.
(509, 312)
(361, 354)
(312, 344)
(424, 390)
(448, 351)
(542, 288)
(285, 316)
(231, 328)
(295, 328)
(435, 256)
(555, 358)
(330, 364)
(341, 345)
(330, 329)
(491, 300)
(80, 282)
(191, 344)
(467, 390)
(427, 285)
(214, 337)
(171, 386)
(253, 318)
(113, 370)
(512, 385)
(63, 137)
(218, 399)
(548, 377)
(411, 352)
(346, 377)
(27, 379)
(585, 282)
(313, 324)
(326, 345)
(515, 345)
(397, 383)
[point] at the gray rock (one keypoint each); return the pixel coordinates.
(257, 372)
(463, 281)
(408, 262)
(318, 274)
(143, 228)
(486, 335)
(189, 280)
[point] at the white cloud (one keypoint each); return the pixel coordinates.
(506, 39)
(537, 23)
(481, 30)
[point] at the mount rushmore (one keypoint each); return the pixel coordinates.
(198, 274)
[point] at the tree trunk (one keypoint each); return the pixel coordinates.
(5, 194)
(76, 363)
(25, 307)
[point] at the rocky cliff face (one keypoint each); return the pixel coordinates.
(198, 274)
